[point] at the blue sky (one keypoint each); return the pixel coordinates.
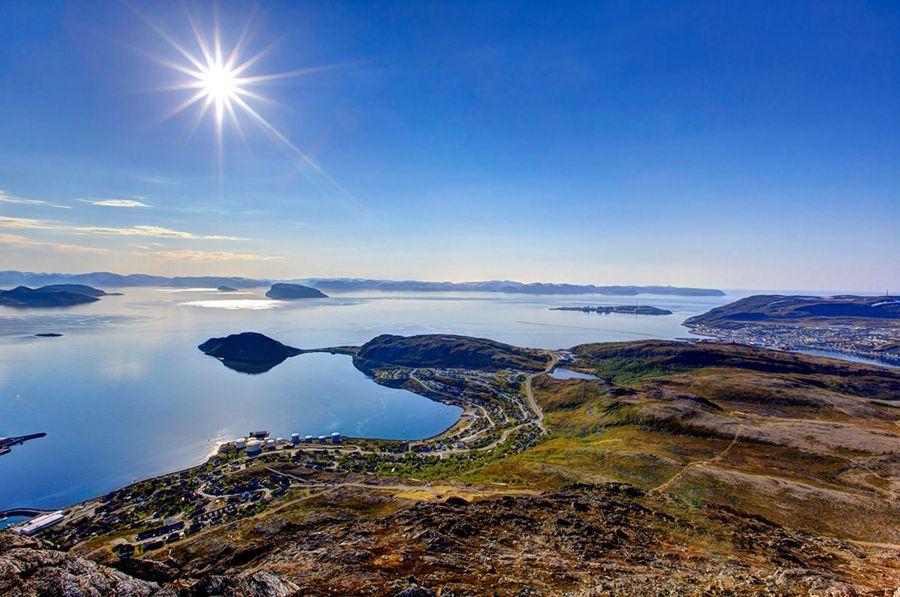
(727, 144)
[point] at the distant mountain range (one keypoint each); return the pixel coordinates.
(357, 284)
(111, 280)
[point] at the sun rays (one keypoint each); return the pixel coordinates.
(220, 85)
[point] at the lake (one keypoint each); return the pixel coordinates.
(124, 394)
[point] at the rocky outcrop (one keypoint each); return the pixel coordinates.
(31, 567)
(259, 583)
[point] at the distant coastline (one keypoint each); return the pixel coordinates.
(113, 280)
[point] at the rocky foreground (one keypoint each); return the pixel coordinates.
(581, 540)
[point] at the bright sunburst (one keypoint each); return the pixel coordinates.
(219, 82)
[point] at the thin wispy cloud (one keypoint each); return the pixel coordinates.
(16, 241)
(7, 198)
(116, 202)
(140, 230)
(144, 230)
(11, 222)
(197, 256)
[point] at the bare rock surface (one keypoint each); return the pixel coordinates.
(29, 567)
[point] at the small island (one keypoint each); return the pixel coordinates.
(630, 309)
(248, 352)
(289, 292)
(59, 295)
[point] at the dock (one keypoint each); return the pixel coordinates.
(6, 443)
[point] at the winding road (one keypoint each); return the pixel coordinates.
(529, 393)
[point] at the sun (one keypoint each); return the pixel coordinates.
(220, 81)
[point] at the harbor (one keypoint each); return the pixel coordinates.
(245, 474)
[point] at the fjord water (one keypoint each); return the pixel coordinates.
(124, 394)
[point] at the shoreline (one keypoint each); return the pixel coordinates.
(215, 451)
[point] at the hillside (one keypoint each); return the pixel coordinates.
(797, 440)
(803, 310)
(447, 351)
(24, 297)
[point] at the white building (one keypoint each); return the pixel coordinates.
(39, 523)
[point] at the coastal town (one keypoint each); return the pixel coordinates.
(250, 474)
(877, 343)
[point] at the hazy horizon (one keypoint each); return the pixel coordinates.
(299, 278)
(707, 145)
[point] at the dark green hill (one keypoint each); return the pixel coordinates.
(286, 292)
(798, 310)
(447, 351)
(24, 297)
(248, 352)
(76, 288)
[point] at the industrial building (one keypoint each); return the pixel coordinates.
(39, 523)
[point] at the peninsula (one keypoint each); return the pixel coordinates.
(6, 443)
(656, 476)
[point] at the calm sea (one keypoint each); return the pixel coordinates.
(124, 394)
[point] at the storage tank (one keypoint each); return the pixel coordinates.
(253, 447)
(322, 439)
(308, 439)
(295, 438)
(270, 444)
(240, 444)
(335, 438)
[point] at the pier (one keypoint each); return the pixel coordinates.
(6, 443)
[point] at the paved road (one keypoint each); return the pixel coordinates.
(554, 360)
